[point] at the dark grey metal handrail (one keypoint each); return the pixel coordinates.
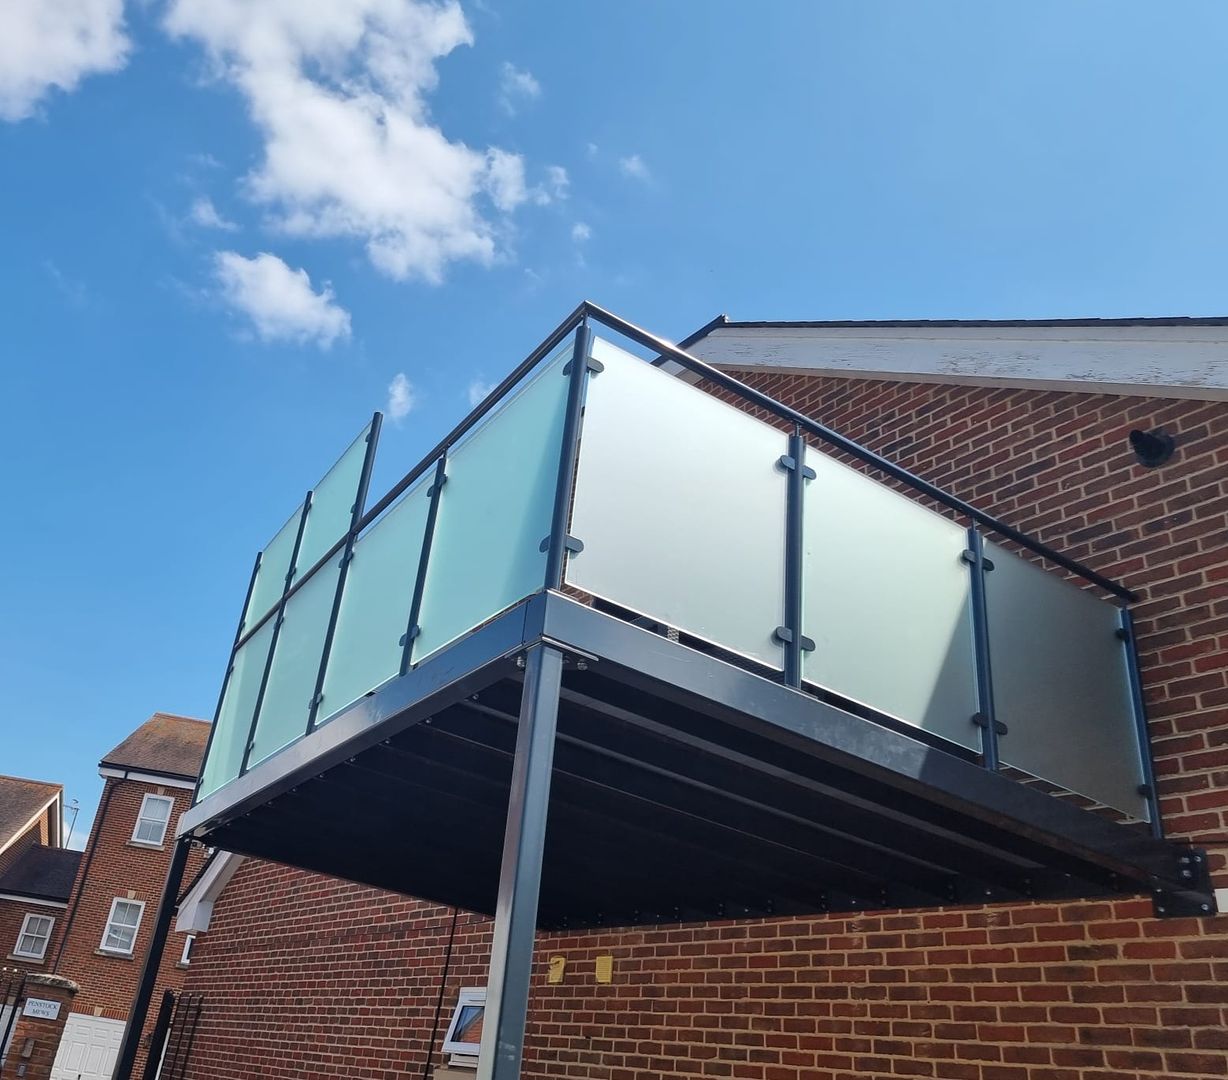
(727, 382)
(842, 442)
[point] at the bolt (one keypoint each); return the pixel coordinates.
(582, 665)
(520, 662)
(1206, 907)
(1161, 911)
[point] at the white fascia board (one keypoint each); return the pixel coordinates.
(197, 907)
(54, 801)
(1157, 361)
(33, 900)
(106, 772)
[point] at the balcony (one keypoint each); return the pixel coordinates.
(640, 632)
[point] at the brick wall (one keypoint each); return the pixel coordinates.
(12, 917)
(307, 977)
(122, 869)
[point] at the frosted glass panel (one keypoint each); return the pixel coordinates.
(332, 504)
(1061, 684)
(680, 506)
(495, 511)
(887, 602)
(234, 718)
(270, 580)
(296, 663)
(375, 606)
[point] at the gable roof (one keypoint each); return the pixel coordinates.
(21, 803)
(1178, 357)
(43, 873)
(165, 744)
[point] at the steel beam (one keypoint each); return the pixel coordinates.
(131, 1043)
(524, 840)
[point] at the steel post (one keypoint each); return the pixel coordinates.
(524, 837)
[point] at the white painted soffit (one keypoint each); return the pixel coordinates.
(1162, 360)
(196, 908)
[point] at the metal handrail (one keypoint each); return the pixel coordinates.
(842, 442)
(727, 382)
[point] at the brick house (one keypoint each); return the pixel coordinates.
(36, 873)
(305, 975)
(147, 783)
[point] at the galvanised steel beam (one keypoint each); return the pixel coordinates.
(524, 842)
(464, 668)
(130, 1046)
(800, 723)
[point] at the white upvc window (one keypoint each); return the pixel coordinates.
(122, 925)
(188, 942)
(152, 821)
(34, 936)
(464, 1033)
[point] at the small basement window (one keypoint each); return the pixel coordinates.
(464, 1034)
(153, 819)
(34, 936)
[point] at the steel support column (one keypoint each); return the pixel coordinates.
(131, 1044)
(986, 718)
(524, 838)
(1142, 731)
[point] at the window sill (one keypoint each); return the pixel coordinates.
(146, 845)
(27, 959)
(113, 954)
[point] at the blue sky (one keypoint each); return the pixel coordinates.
(230, 227)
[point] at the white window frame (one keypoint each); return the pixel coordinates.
(25, 929)
(186, 958)
(140, 819)
(469, 995)
(136, 929)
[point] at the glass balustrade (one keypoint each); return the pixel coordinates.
(680, 500)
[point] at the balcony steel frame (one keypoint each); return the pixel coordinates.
(732, 794)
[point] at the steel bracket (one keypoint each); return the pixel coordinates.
(571, 544)
(1196, 897)
(788, 462)
(595, 366)
(982, 721)
(970, 558)
(784, 635)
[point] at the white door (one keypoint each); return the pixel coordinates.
(88, 1049)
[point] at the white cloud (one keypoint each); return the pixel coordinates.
(401, 397)
(45, 44)
(634, 167)
(478, 389)
(580, 232)
(279, 301)
(516, 88)
(591, 149)
(507, 186)
(338, 92)
(206, 215)
(558, 183)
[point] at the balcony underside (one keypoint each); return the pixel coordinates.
(684, 788)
